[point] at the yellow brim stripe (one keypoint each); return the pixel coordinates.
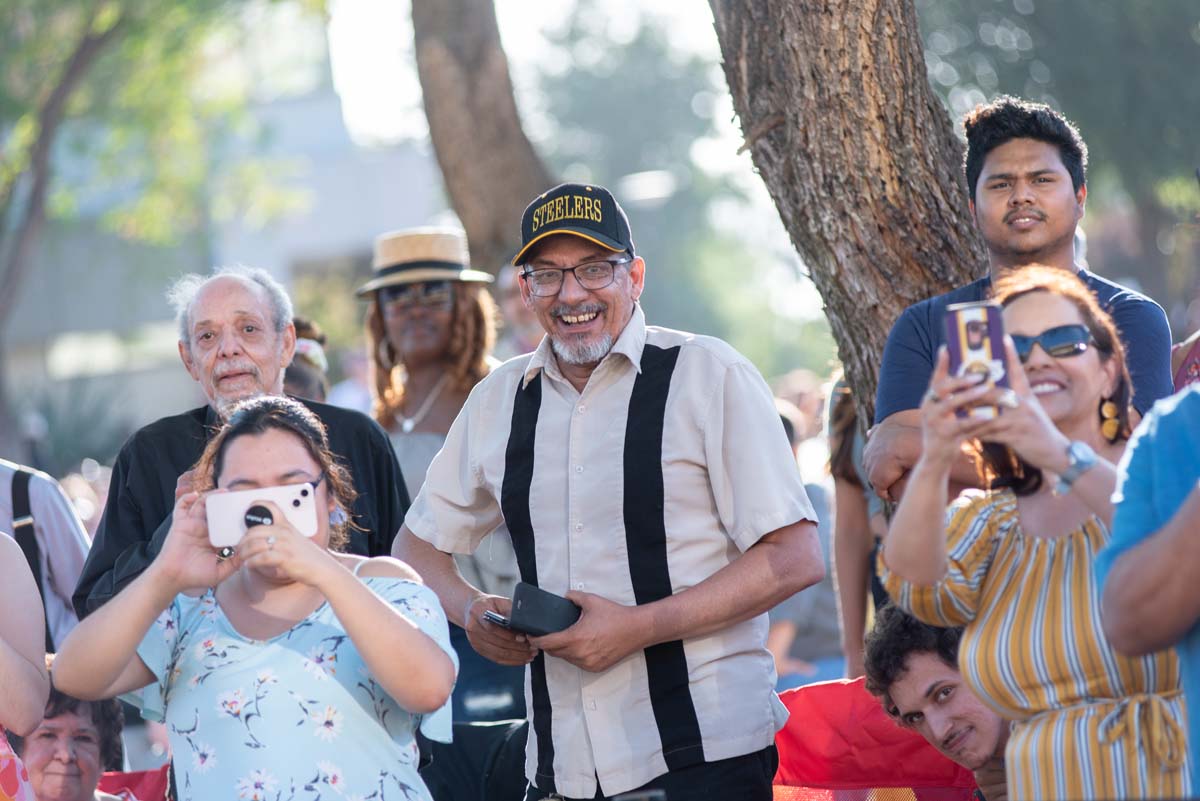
(517, 258)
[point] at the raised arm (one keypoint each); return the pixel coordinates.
(1027, 429)
(1151, 599)
(99, 658)
(24, 685)
(915, 548)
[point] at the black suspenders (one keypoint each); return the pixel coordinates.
(22, 532)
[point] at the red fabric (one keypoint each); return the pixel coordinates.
(1189, 368)
(839, 738)
(142, 785)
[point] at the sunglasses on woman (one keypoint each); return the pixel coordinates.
(1059, 342)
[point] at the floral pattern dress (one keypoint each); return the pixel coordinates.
(296, 717)
(14, 779)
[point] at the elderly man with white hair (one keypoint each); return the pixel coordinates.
(235, 339)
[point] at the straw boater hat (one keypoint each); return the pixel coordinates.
(421, 254)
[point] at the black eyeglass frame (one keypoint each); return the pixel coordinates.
(431, 295)
(1061, 341)
(613, 264)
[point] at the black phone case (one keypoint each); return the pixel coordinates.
(537, 612)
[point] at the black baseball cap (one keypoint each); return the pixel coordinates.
(588, 211)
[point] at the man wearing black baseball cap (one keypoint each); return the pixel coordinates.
(642, 473)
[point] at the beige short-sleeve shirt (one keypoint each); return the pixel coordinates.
(668, 466)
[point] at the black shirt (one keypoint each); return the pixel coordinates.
(142, 493)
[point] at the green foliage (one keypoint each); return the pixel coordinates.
(1123, 70)
(79, 424)
(626, 109)
(148, 127)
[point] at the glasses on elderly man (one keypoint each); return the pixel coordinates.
(1059, 342)
(427, 294)
(596, 274)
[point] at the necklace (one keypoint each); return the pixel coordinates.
(407, 424)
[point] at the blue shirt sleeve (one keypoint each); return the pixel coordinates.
(1135, 517)
(1147, 337)
(907, 364)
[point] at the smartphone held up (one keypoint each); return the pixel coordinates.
(231, 514)
(975, 346)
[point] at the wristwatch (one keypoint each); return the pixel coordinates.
(1080, 459)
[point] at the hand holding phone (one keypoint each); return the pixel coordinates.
(231, 514)
(975, 346)
(537, 612)
(486, 623)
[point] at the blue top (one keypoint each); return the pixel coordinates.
(296, 716)
(916, 336)
(1160, 468)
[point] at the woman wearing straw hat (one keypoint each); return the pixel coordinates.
(430, 331)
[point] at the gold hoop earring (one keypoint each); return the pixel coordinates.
(1110, 423)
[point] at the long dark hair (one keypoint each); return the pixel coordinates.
(472, 337)
(1004, 467)
(843, 426)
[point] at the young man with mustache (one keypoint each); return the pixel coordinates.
(913, 668)
(642, 473)
(235, 339)
(1025, 168)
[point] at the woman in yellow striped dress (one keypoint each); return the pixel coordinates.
(1014, 565)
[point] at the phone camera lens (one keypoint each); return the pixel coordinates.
(303, 493)
(296, 503)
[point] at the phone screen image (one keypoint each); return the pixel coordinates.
(975, 345)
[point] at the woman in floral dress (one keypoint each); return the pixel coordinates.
(291, 670)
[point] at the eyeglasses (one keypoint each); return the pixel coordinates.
(1059, 342)
(590, 275)
(406, 297)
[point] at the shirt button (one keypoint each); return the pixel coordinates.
(579, 526)
(581, 408)
(579, 586)
(578, 468)
(592, 704)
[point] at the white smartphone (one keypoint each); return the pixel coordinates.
(227, 511)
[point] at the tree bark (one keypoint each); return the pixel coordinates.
(859, 156)
(490, 168)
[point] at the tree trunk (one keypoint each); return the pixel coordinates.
(16, 246)
(490, 169)
(858, 155)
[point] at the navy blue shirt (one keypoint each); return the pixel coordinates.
(916, 336)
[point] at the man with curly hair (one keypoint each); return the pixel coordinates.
(913, 668)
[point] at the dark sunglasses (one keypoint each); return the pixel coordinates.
(1059, 342)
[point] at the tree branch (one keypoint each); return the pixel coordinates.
(16, 260)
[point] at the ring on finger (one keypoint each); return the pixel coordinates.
(1008, 399)
(930, 396)
(270, 542)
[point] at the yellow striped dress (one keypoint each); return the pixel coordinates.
(1088, 723)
